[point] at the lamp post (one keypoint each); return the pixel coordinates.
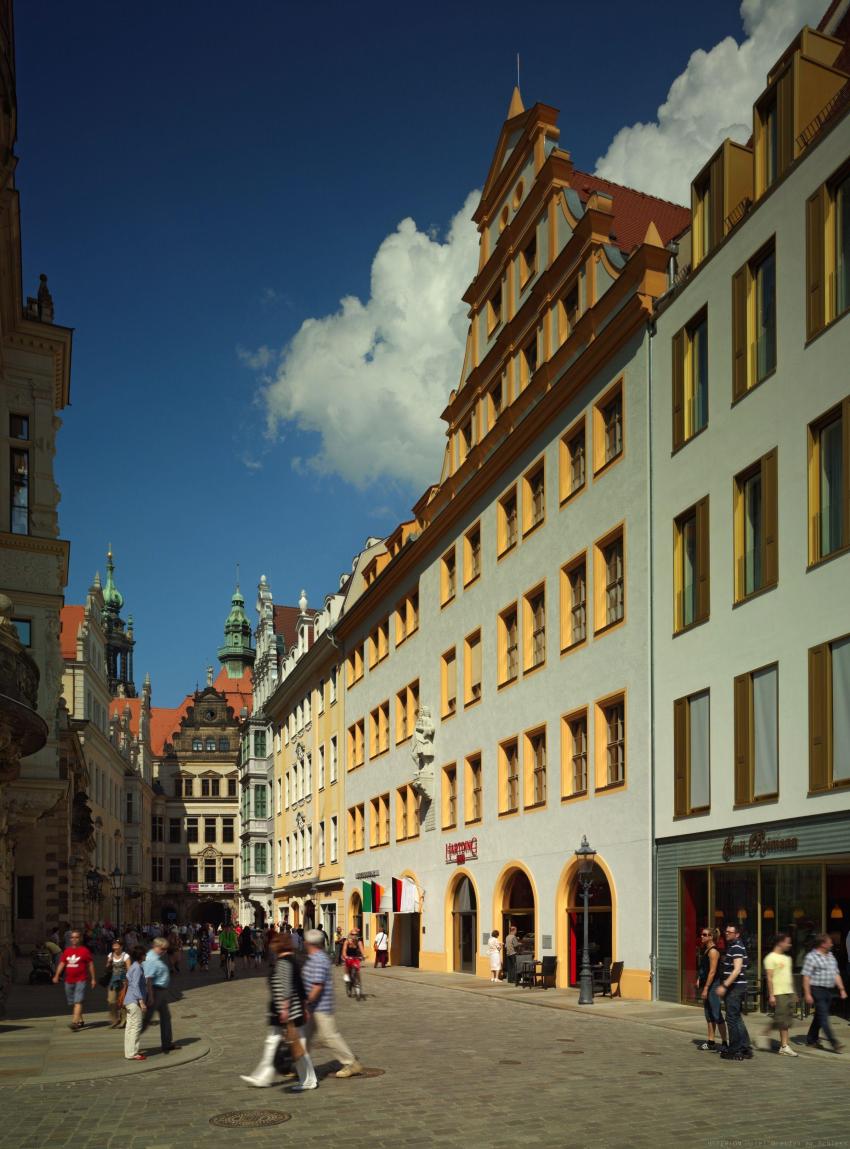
(117, 880)
(586, 855)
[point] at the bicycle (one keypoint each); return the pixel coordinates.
(227, 960)
(353, 984)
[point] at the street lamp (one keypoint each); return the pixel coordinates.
(586, 856)
(117, 880)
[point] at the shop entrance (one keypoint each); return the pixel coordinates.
(214, 913)
(329, 919)
(599, 933)
(355, 913)
(465, 927)
(404, 942)
(518, 909)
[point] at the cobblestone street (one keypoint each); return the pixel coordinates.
(464, 1065)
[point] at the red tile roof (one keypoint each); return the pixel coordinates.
(118, 705)
(285, 622)
(70, 618)
(634, 211)
(239, 691)
(165, 722)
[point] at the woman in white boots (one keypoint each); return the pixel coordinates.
(286, 1020)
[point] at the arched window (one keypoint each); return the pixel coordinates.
(210, 744)
(197, 744)
(224, 744)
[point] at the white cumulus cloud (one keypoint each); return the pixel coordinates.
(708, 102)
(372, 378)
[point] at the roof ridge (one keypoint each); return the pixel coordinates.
(634, 191)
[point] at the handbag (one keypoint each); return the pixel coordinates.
(296, 1046)
(105, 979)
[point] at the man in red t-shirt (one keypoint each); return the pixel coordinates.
(78, 965)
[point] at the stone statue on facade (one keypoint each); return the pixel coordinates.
(422, 753)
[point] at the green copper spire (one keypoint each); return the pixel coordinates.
(237, 654)
(113, 599)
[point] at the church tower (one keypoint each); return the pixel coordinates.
(237, 654)
(119, 640)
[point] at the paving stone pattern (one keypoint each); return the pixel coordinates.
(466, 1065)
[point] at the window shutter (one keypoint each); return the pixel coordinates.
(815, 262)
(743, 786)
(678, 389)
(680, 756)
(718, 200)
(770, 495)
(703, 562)
(819, 717)
(740, 339)
(785, 117)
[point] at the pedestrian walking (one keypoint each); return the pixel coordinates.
(339, 941)
(780, 989)
(246, 946)
(820, 979)
(136, 1004)
(512, 944)
(158, 976)
(117, 964)
(77, 963)
(229, 947)
(494, 949)
(708, 979)
(733, 989)
(317, 976)
(204, 949)
(259, 948)
(382, 949)
(286, 1021)
(175, 950)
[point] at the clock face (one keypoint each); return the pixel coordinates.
(210, 715)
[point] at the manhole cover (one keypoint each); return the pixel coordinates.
(510, 1063)
(372, 1073)
(250, 1118)
(650, 1073)
(190, 1015)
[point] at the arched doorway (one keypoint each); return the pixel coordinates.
(355, 913)
(309, 915)
(294, 915)
(464, 926)
(518, 908)
(214, 913)
(599, 925)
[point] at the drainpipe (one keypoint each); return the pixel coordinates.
(653, 957)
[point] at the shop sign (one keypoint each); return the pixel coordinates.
(757, 845)
(211, 887)
(362, 874)
(459, 852)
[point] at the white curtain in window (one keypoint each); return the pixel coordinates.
(766, 735)
(700, 783)
(841, 709)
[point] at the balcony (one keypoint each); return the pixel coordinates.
(255, 769)
(254, 827)
(255, 884)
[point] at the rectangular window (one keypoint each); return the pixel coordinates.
(608, 429)
(755, 527)
(334, 838)
(25, 897)
(690, 380)
(228, 868)
(610, 737)
(508, 635)
(209, 829)
(407, 617)
(334, 764)
(354, 664)
(535, 768)
(379, 730)
(191, 829)
(24, 628)
(528, 261)
(174, 868)
(472, 669)
(174, 828)
(495, 402)
(379, 643)
(509, 776)
(756, 735)
(356, 744)
(609, 575)
(19, 483)
(379, 830)
(574, 754)
(448, 679)
(407, 814)
(321, 767)
(473, 799)
(507, 523)
(691, 566)
(534, 624)
(829, 483)
(472, 555)
(157, 828)
(572, 462)
(406, 710)
(705, 235)
(449, 795)
(574, 602)
(261, 865)
(829, 715)
(494, 310)
(754, 322)
(448, 577)
(568, 312)
(533, 498)
(158, 870)
(261, 808)
(528, 362)
(191, 869)
(691, 759)
(322, 844)
(356, 818)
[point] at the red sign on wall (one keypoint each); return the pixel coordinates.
(459, 852)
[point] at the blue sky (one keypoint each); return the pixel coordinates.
(198, 179)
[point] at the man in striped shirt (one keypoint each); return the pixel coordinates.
(733, 986)
(820, 978)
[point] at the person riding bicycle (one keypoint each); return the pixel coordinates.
(229, 945)
(353, 955)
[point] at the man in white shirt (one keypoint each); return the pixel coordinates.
(382, 949)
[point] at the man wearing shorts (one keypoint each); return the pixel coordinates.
(780, 989)
(77, 964)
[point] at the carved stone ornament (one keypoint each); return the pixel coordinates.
(82, 824)
(422, 753)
